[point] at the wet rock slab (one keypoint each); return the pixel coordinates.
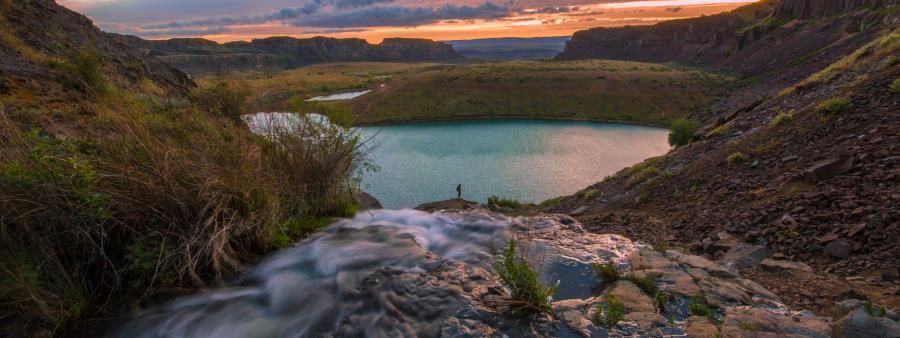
(389, 273)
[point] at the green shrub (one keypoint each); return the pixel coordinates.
(608, 272)
(783, 118)
(660, 299)
(611, 314)
(682, 131)
(719, 131)
(294, 229)
(223, 97)
(588, 194)
(84, 71)
(834, 105)
(895, 86)
(737, 158)
(526, 291)
(698, 308)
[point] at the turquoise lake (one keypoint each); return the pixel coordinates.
(527, 160)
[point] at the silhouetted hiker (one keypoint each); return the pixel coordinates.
(459, 191)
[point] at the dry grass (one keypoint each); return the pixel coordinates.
(885, 46)
(149, 195)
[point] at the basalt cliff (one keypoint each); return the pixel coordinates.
(195, 55)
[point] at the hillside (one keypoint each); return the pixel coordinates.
(198, 56)
(801, 160)
(581, 90)
(121, 182)
(511, 48)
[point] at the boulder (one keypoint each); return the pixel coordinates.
(366, 201)
(785, 267)
(860, 323)
(836, 165)
(755, 322)
(701, 327)
(634, 298)
(744, 256)
(840, 248)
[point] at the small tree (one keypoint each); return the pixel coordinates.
(681, 132)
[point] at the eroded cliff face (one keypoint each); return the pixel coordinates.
(752, 40)
(40, 33)
(203, 56)
(812, 9)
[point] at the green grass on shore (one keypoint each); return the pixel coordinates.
(585, 90)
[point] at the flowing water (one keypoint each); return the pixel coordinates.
(526, 160)
(385, 273)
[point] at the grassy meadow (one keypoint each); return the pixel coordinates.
(585, 90)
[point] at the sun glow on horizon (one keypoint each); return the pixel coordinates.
(538, 18)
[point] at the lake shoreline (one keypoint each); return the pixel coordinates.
(392, 122)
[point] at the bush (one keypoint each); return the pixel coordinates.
(719, 131)
(608, 272)
(527, 293)
(783, 118)
(84, 71)
(611, 314)
(895, 86)
(737, 158)
(223, 97)
(682, 131)
(834, 105)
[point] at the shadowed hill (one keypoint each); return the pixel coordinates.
(203, 56)
(801, 159)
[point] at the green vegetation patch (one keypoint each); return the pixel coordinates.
(737, 158)
(527, 294)
(783, 118)
(610, 312)
(682, 131)
(834, 105)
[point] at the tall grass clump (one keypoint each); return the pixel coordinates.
(834, 105)
(783, 118)
(682, 131)
(527, 294)
(608, 272)
(611, 314)
(224, 97)
(148, 197)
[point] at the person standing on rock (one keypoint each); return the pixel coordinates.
(459, 191)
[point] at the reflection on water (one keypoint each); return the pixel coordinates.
(341, 96)
(528, 160)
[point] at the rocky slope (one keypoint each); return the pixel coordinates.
(751, 40)
(38, 33)
(203, 56)
(801, 160)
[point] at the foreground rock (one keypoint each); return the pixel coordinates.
(390, 273)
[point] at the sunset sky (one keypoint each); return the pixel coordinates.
(229, 20)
